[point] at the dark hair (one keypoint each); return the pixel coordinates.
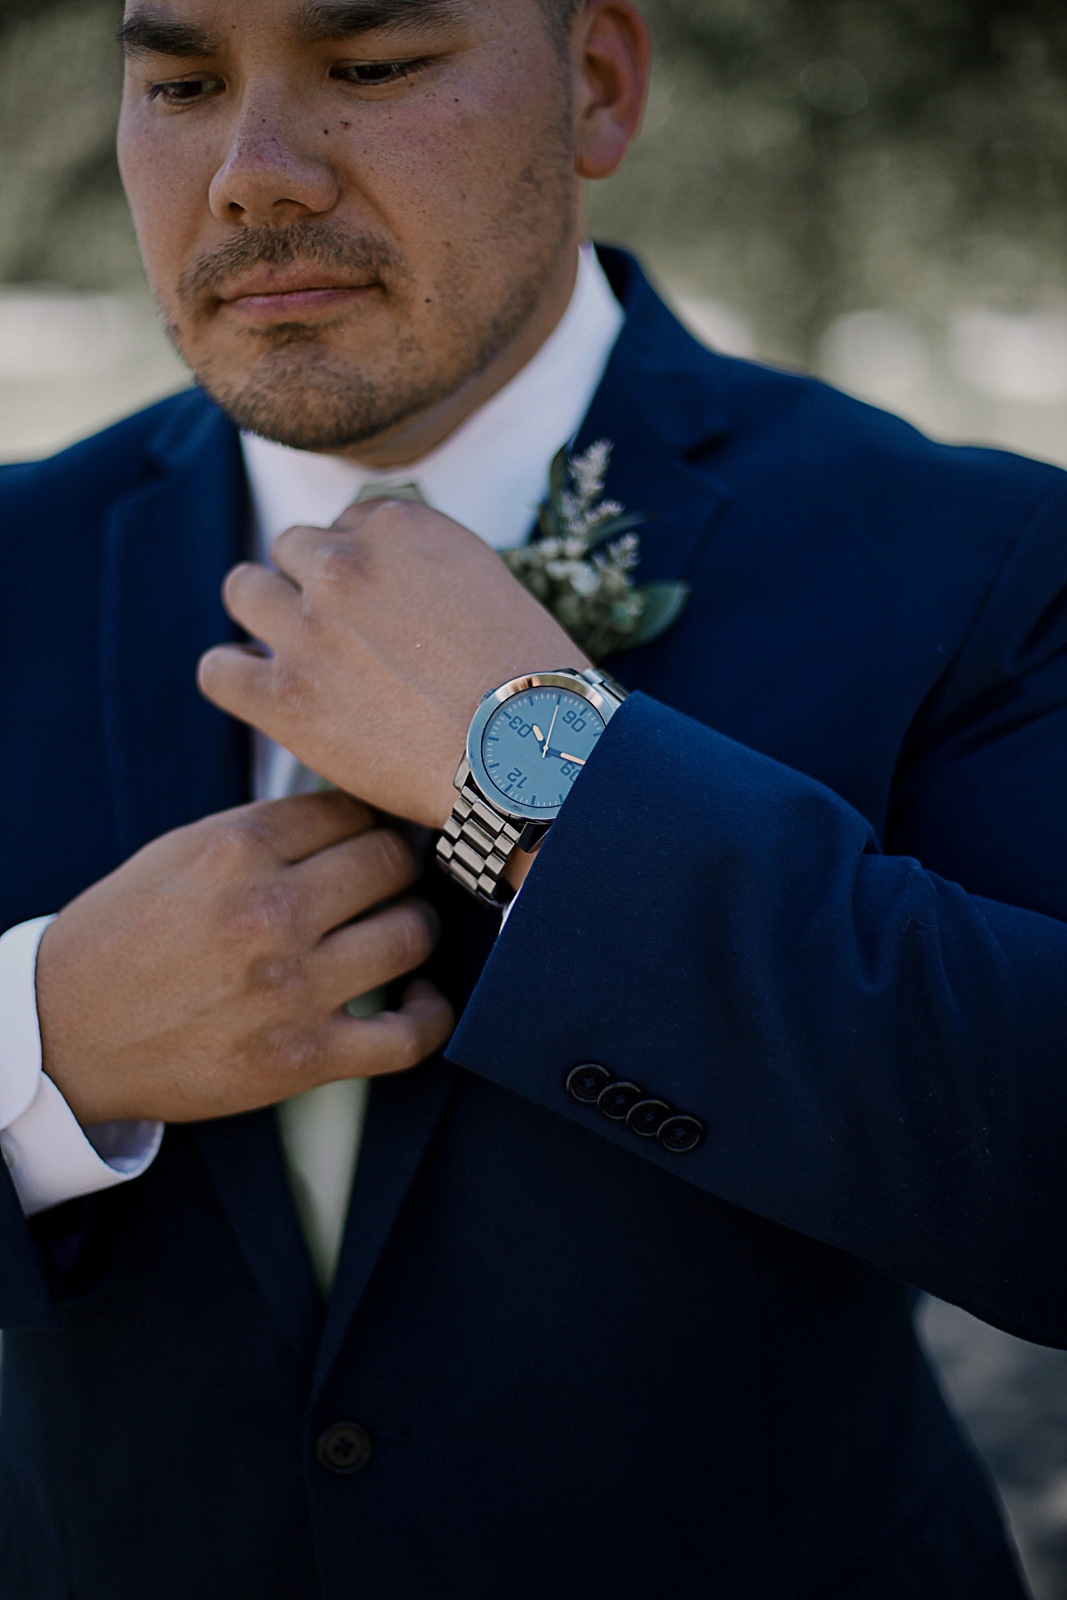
(559, 14)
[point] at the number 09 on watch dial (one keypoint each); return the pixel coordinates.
(531, 738)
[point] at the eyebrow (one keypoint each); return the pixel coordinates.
(150, 32)
(153, 33)
(323, 20)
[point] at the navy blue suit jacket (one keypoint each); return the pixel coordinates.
(812, 889)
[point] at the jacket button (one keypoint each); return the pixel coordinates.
(680, 1134)
(646, 1117)
(584, 1083)
(616, 1100)
(344, 1448)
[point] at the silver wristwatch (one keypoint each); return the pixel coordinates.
(527, 743)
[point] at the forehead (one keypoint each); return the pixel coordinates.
(200, 27)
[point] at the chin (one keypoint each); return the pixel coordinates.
(309, 400)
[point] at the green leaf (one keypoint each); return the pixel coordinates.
(664, 604)
(620, 524)
(548, 512)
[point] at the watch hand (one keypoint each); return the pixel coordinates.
(548, 735)
(538, 735)
(577, 760)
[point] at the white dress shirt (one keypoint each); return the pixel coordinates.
(489, 475)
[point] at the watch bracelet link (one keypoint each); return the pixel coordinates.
(470, 850)
(477, 839)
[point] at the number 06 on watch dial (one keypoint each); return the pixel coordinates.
(528, 742)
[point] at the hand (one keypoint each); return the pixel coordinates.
(209, 973)
(385, 630)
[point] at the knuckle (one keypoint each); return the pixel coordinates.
(231, 845)
(413, 936)
(395, 856)
(293, 691)
(337, 563)
(265, 919)
(290, 1056)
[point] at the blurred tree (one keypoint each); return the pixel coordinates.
(63, 217)
(804, 157)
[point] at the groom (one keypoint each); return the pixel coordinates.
(612, 1298)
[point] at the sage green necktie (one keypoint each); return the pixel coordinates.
(322, 1128)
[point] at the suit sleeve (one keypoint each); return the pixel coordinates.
(875, 1041)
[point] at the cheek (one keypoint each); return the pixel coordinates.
(446, 176)
(166, 181)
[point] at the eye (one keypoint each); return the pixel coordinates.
(371, 74)
(184, 91)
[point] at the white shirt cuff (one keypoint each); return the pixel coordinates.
(50, 1157)
(20, 1032)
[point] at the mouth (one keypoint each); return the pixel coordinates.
(291, 295)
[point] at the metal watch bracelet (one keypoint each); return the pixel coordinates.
(480, 835)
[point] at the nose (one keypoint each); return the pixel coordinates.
(269, 173)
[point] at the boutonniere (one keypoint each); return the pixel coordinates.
(580, 560)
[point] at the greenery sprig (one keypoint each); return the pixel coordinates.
(579, 562)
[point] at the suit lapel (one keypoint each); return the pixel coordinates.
(658, 405)
(173, 758)
(169, 542)
(244, 1157)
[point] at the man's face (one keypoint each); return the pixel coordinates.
(348, 208)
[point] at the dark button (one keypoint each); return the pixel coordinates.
(679, 1134)
(646, 1116)
(585, 1082)
(616, 1100)
(344, 1448)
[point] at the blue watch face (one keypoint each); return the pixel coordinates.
(537, 743)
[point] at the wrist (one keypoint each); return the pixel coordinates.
(519, 864)
(527, 744)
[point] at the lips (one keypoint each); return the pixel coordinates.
(284, 295)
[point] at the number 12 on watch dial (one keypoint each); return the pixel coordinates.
(536, 744)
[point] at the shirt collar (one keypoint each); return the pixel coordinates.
(492, 472)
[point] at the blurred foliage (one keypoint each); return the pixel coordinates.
(807, 157)
(63, 218)
(800, 157)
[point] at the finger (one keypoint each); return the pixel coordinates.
(238, 678)
(298, 551)
(348, 878)
(367, 1047)
(365, 954)
(302, 825)
(260, 600)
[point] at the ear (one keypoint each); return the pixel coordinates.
(612, 55)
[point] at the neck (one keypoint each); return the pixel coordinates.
(412, 440)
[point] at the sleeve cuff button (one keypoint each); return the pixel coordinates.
(615, 1101)
(679, 1135)
(585, 1082)
(647, 1117)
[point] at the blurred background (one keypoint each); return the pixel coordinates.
(873, 190)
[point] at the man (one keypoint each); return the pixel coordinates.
(775, 1027)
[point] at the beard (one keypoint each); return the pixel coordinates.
(302, 388)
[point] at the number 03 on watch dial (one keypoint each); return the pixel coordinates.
(535, 745)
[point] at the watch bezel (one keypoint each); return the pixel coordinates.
(561, 678)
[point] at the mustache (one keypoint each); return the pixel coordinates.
(326, 244)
